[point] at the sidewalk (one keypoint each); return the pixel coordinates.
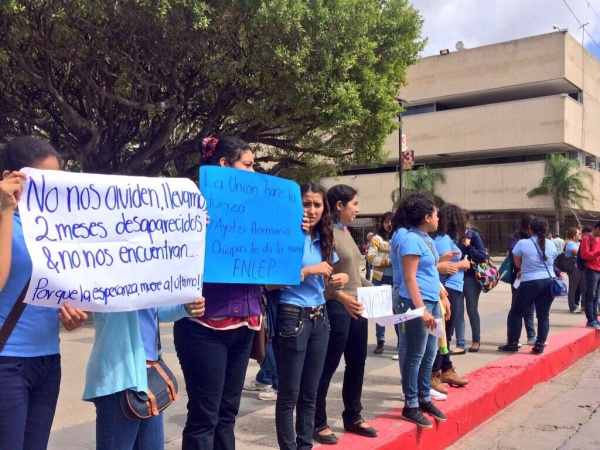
(495, 381)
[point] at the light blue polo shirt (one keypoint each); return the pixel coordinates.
(571, 245)
(532, 265)
(308, 293)
(428, 277)
(443, 244)
(148, 323)
(395, 256)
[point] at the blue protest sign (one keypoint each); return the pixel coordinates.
(254, 234)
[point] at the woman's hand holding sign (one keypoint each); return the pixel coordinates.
(70, 317)
(196, 308)
(10, 190)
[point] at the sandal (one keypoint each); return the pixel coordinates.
(474, 347)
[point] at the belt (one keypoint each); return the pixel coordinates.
(310, 312)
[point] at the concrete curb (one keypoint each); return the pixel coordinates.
(491, 388)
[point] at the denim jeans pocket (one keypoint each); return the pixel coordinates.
(10, 366)
(289, 326)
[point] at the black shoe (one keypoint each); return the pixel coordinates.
(415, 415)
(326, 439)
(538, 348)
(379, 349)
(509, 348)
(430, 409)
(363, 431)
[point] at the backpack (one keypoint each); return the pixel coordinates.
(564, 263)
(486, 273)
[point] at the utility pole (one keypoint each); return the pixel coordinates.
(400, 171)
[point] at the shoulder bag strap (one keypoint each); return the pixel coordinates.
(427, 244)
(13, 317)
(543, 260)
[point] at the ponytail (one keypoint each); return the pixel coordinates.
(539, 227)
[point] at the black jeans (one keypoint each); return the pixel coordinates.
(214, 364)
(300, 345)
(443, 361)
(527, 318)
(574, 288)
(534, 292)
(592, 292)
(348, 337)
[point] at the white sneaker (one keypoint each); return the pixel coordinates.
(435, 395)
(395, 357)
(256, 386)
(268, 395)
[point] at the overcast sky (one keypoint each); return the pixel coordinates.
(482, 22)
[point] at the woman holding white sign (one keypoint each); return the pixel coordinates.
(30, 369)
(349, 331)
(302, 327)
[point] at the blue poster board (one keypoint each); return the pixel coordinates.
(254, 234)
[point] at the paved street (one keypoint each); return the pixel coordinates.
(74, 422)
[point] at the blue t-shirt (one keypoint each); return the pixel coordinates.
(148, 323)
(428, 278)
(309, 293)
(36, 331)
(532, 265)
(445, 244)
(396, 257)
(571, 245)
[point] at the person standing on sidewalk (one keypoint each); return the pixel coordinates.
(302, 328)
(349, 331)
(378, 256)
(571, 250)
(365, 251)
(535, 257)
(421, 288)
(590, 252)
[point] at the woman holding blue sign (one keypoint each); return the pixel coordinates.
(302, 327)
(349, 331)
(214, 350)
(30, 369)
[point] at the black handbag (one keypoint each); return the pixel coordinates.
(162, 389)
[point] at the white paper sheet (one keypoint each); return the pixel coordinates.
(398, 318)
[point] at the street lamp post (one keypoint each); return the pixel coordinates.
(402, 102)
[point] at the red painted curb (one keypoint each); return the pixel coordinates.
(490, 388)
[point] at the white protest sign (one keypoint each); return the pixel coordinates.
(112, 243)
(398, 318)
(377, 301)
(439, 329)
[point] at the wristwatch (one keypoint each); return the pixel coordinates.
(301, 277)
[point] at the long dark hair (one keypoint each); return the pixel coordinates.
(521, 233)
(415, 207)
(324, 225)
(339, 192)
(228, 147)
(382, 231)
(25, 151)
(398, 220)
(539, 227)
(452, 221)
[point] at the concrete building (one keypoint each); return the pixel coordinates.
(488, 117)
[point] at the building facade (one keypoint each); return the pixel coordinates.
(488, 117)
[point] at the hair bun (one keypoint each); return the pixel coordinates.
(208, 146)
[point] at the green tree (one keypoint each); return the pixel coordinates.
(133, 86)
(424, 179)
(564, 182)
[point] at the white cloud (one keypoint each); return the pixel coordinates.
(483, 22)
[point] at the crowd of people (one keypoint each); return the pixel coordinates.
(426, 255)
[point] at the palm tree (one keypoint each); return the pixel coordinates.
(424, 179)
(564, 182)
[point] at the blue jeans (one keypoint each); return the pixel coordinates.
(367, 269)
(300, 347)
(470, 297)
(379, 330)
(214, 364)
(114, 431)
(421, 348)
(28, 400)
(592, 293)
(268, 369)
(534, 292)
(348, 337)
